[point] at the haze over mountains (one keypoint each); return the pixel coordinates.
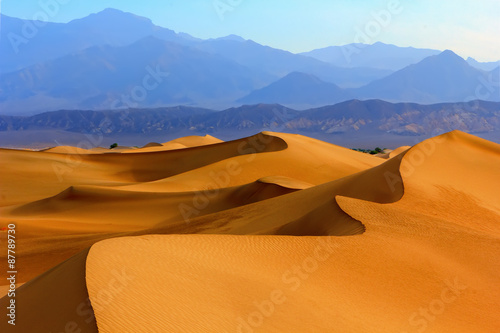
(114, 59)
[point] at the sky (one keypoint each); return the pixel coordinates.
(469, 28)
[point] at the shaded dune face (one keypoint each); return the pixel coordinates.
(326, 234)
(309, 212)
(368, 185)
(456, 174)
(93, 204)
(56, 301)
(152, 166)
(59, 170)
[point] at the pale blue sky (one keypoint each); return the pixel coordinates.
(468, 27)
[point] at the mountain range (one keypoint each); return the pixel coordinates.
(25, 42)
(382, 56)
(350, 121)
(444, 77)
(378, 55)
(114, 59)
(298, 89)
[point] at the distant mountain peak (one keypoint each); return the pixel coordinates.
(447, 57)
(233, 37)
(111, 10)
(449, 53)
(302, 78)
(112, 14)
(298, 89)
(382, 44)
(301, 75)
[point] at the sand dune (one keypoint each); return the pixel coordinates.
(71, 200)
(398, 151)
(180, 143)
(304, 159)
(195, 141)
(152, 144)
(69, 150)
(388, 153)
(91, 204)
(272, 233)
(57, 171)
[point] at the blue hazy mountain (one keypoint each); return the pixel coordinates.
(100, 60)
(298, 90)
(378, 55)
(280, 63)
(485, 66)
(150, 72)
(445, 77)
(116, 28)
(24, 42)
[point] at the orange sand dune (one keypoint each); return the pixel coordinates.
(69, 150)
(452, 178)
(398, 151)
(100, 150)
(304, 159)
(181, 143)
(195, 141)
(129, 209)
(298, 236)
(71, 200)
(55, 172)
(392, 153)
(152, 144)
(285, 284)
(311, 211)
(155, 148)
(421, 264)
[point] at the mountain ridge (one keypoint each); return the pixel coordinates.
(350, 121)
